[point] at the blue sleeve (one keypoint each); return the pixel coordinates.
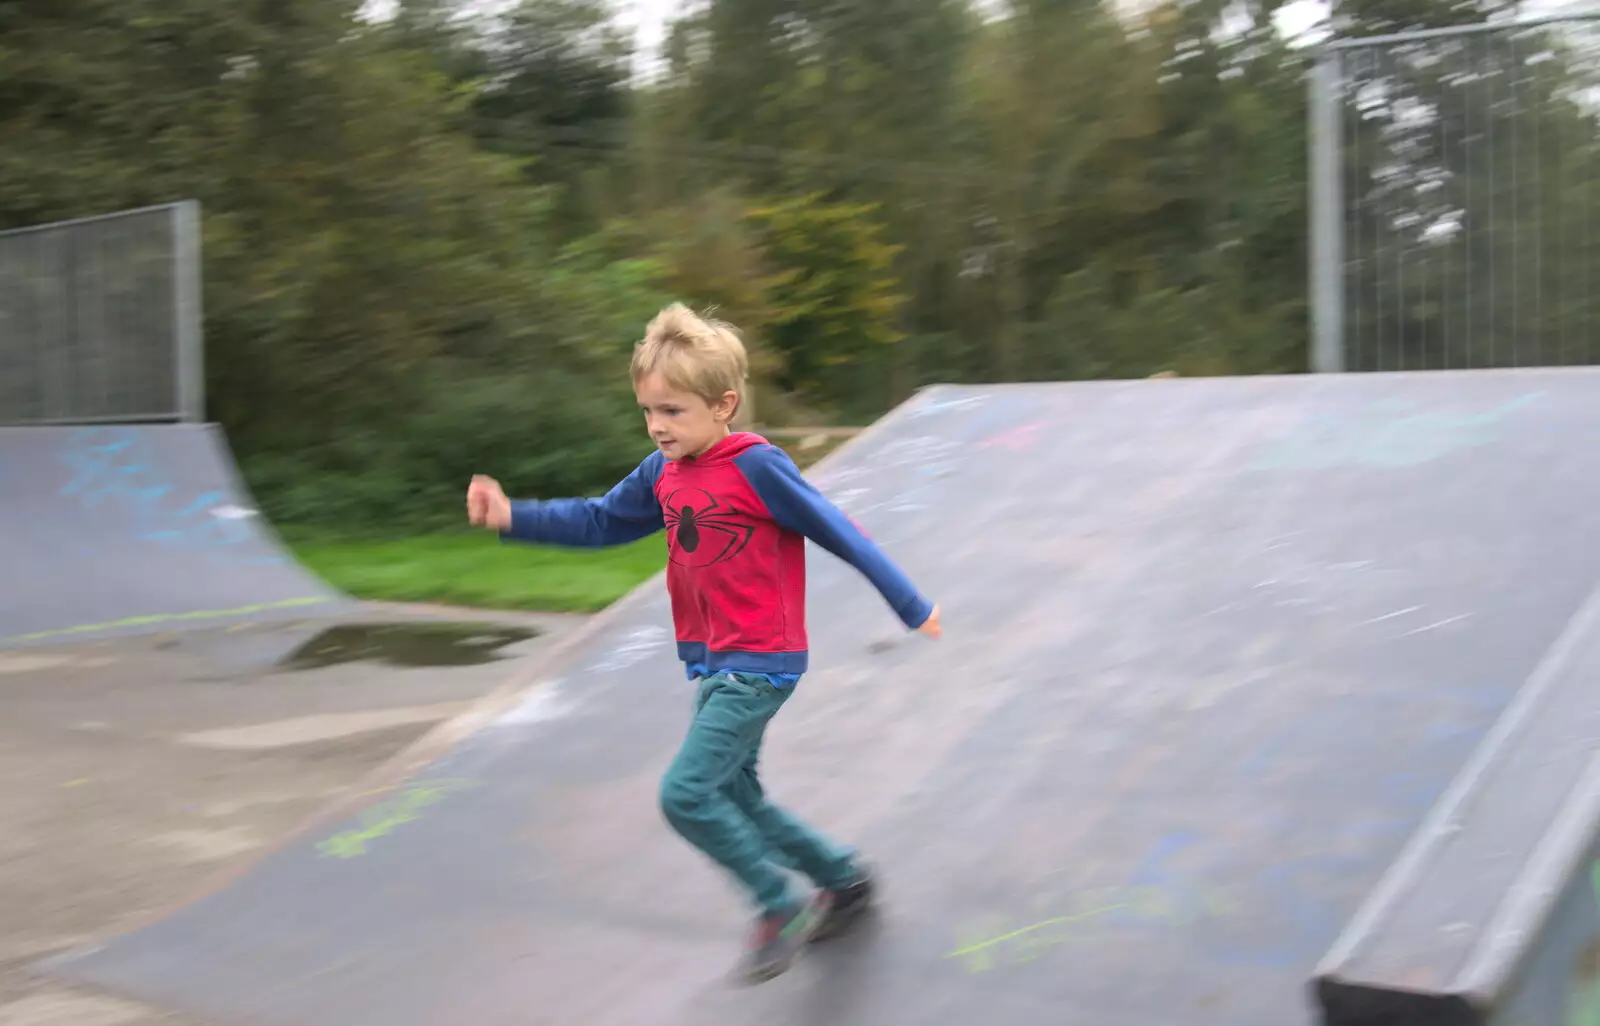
(797, 505)
(628, 512)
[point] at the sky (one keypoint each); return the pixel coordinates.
(648, 18)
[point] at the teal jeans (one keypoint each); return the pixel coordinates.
(712, 795)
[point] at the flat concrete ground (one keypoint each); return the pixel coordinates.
(134, 769)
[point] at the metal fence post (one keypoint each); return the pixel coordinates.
(1327, 222)
(188, 316)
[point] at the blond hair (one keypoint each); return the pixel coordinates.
(694, 354)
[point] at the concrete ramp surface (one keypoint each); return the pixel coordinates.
(1213, 649)
(119, 530)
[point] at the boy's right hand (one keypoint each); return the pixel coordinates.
(487, 505)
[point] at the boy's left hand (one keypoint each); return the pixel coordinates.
(930, 626)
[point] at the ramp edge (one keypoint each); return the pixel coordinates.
(1538, 956)
(321, 600)
(1359, 983)
(228, 460)
(1355, 1004)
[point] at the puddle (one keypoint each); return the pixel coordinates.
(407, 644)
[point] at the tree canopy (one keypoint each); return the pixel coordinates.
(430, 240)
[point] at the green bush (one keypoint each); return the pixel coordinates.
(540, 436)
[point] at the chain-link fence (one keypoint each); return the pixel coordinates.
(100, 319)
(1456, 198)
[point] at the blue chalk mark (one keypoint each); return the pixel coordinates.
(1392, 439)
(1411, 790)
(1293, 921)
(202, 503)
(1149, 871)
(130, 496)
(97, 482)
(1441, 732)
(1259, 759)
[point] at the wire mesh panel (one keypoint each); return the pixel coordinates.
(99, 319)
(1468, 195)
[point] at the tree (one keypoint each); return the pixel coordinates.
(835, 294)
(365, 258)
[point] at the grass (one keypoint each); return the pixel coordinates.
(477, 569)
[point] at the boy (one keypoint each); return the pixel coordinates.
(737, 514)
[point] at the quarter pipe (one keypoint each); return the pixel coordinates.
(119, 530)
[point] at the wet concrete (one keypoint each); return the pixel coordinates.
(135, 767)
(408, 644)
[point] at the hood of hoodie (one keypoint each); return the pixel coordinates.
(726, 449)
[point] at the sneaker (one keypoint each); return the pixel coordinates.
(847, 904)
(781, 936)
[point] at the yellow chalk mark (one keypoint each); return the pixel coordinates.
(440, 784)
(384, 817)
(76, 783)
(145, 621)
(1148, 903)
(1033, 928)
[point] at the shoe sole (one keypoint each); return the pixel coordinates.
(766, 973)
(837, 922)
(840, 924)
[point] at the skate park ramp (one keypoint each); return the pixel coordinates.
(117, 530)
(1214, 648)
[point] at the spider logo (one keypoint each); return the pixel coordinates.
(701, 531)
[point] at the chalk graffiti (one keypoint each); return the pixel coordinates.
(1291, 910)
(1392, 438)
(1026, 943)
(164, 618)
(936, 406)
(108, 468)
(1274, 918)
(926, 453)
(877, 480)
(540, 704)
(635, 646)
(926, 457)
(1017, 439)
(1136, 905)
(384, 817)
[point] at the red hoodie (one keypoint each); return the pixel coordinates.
(737, 517)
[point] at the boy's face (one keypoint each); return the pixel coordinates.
(681, 423)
